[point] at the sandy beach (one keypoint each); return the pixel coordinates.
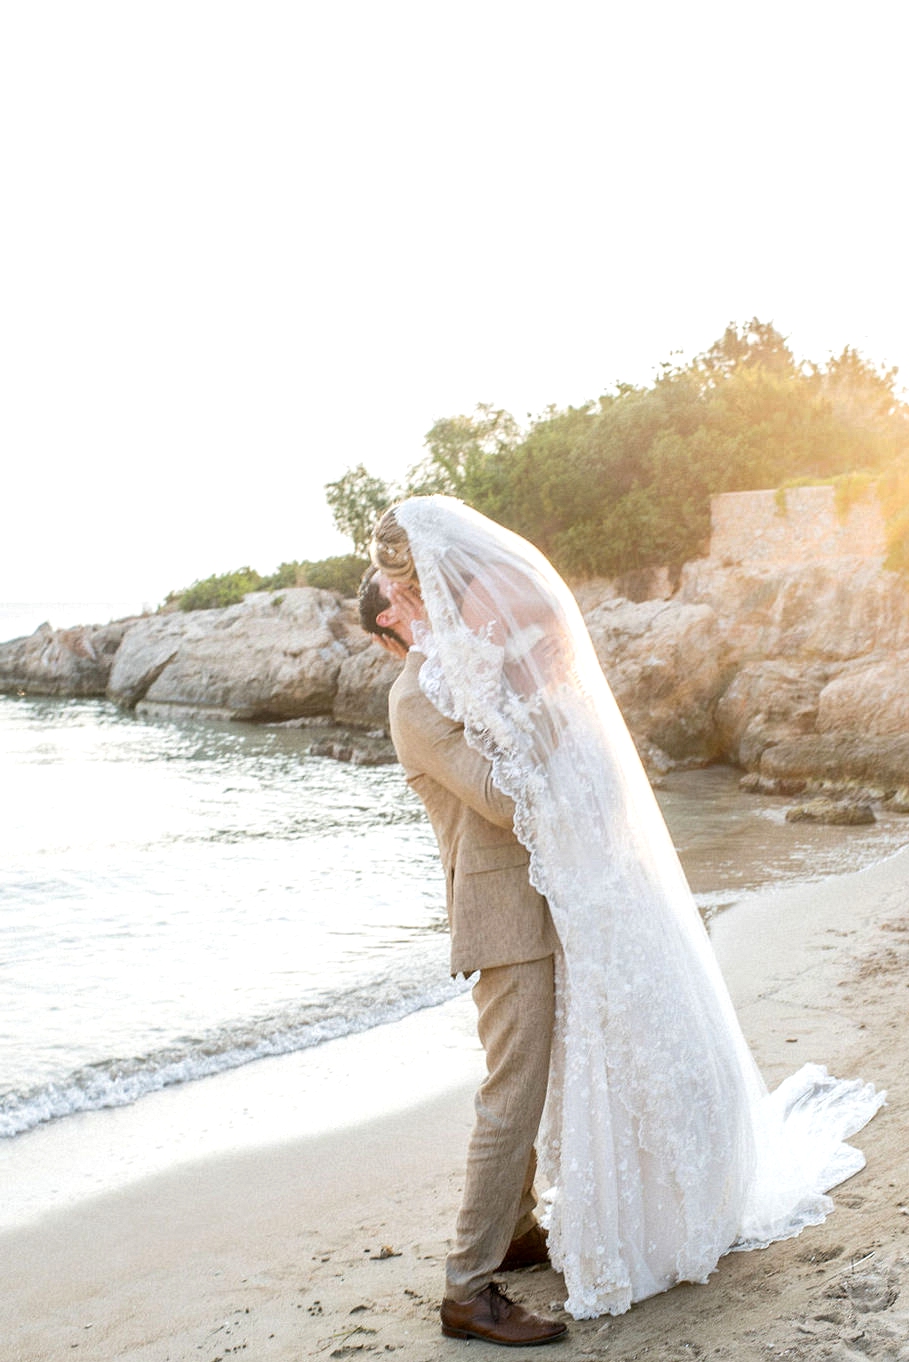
(300, 1208)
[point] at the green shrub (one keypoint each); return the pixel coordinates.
(337, 574)
(214, 592)
(286, 574)
(341, 574)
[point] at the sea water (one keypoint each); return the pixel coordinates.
(181, 899)
(175, 900)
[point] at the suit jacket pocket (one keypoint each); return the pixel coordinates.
(505, 856)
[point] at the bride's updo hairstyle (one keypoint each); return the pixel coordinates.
(390, 551)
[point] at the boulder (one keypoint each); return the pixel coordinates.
(765, 703)
(817, 611)
(816, 649)
(870, 697)
(755, 783)
(364, 680)
(71, 662)
(668, 665)
(359, 751)
(841, 760)
(276, 655)
(837, 812)
(145, 651)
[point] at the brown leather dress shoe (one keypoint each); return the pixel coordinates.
(529, 1250)
(490, 1315)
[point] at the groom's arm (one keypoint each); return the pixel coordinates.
(427, 743)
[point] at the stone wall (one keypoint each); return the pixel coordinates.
(800, 525)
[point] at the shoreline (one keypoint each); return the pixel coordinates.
(733, 845)
(306, 1094)
(361, 1076)
(309, 1239)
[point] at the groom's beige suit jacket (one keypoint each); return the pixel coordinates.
(496, 916)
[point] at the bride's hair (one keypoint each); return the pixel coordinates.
(390, 550)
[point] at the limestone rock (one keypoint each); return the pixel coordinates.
(819, 611)
(358, 751)
(275, 655)
(146, 650)
(815, 648)
(838, 812)
(278, 655)
(869, 697)
(841, 759)
(72, 662)
(668, 665)
(364, 680)
(766, 703)
(755, 783)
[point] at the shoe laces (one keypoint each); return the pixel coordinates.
(498, 1299)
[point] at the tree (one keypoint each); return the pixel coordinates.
(357, 500)
(756, 345)
(458, 449)
(859, 394)
(626, 481)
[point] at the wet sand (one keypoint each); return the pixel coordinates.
(300, 1208)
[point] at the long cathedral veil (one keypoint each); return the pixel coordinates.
(660, 1144)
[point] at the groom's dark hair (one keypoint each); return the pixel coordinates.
(371, 601)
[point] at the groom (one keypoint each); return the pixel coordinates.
(500, 926)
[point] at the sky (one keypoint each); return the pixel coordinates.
(249, 245)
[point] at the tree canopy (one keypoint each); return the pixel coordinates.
(625, 481)
(357, 500)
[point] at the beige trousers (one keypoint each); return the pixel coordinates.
(515, 1016)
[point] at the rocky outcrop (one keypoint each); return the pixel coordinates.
(72, 662)
(277, 655)
(273, 657)
(836, 812)
(745, 657)
(668, 664)
(819, 611)
(364, 680)
(840, 760)
(784, 651)
(869, 695)
(765, 702)
(145, 652)
(795, 649)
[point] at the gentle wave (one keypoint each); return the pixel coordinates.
(119, 1082)
(192, 898)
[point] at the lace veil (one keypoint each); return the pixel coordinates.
(659, 1143)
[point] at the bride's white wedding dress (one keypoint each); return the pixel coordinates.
(660, 1143)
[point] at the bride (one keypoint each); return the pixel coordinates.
(660, 1143)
